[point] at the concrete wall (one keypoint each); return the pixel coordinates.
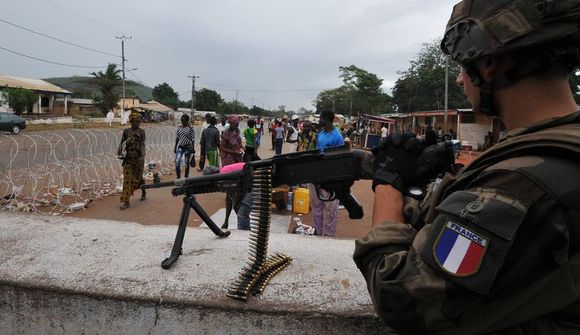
(31, 311)
(62, 275)
(50, 120)
(473, 134)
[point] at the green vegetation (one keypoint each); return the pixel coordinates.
(109, 84)
(422, 86)
(166, 95)
(19, 99)
(361, 92)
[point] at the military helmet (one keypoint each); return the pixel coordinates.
(480, 28)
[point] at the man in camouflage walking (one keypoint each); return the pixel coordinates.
(495, 248)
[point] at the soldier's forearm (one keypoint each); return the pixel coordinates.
(388, 205)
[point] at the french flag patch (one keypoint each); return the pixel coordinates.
(458, 250)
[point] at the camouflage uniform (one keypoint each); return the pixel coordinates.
(133, 163)
(516, 208)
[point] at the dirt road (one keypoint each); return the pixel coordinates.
(160, 208)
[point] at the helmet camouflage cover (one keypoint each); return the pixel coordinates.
(480, 28)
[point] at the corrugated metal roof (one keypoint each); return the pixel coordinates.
(31, 84)
(155, 106)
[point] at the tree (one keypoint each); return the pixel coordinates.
(361, 92)
(232, 107)
(422, 85)
(304, 111)
(109, 84)
(207, 100)
(130, 92)
(19, 99)
(164, 94)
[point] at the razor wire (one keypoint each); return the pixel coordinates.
(60, 171)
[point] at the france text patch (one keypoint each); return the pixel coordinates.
(458, 250)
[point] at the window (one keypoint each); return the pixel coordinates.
(467, 118)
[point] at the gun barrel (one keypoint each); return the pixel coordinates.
(198, 180)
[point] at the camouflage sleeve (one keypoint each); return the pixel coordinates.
(405, 291)
(495, 256)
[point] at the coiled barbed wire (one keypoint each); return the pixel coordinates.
(46, 171)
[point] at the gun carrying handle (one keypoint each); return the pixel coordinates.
(355, 210)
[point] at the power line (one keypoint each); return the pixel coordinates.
(135, 76)
(58, 39)
(60, 7)
(267, 90)
(51, 62)
(70, 17)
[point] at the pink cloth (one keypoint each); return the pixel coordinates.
(232, 167)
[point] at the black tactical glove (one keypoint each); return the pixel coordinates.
(433, 161)
(395, 161)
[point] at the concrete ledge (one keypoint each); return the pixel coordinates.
(61, 275)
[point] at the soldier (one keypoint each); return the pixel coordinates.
(497, 248)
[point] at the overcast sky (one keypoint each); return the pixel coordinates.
(272, 52)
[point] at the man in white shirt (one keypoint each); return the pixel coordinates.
(384, 131)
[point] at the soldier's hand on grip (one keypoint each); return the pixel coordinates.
(395, 161)
(433, 161)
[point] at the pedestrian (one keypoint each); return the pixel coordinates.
(250, 135)
(132, 151)
(384, 132)
(496, 247)
(260, 129)
(325, 213)
(231, 143)
(453, 134)
(222, 125)
(307, 137)
(430, 136)
(110, 117)
(202, 153)
(292, 133)
(183, 149)
(210, 140)
(241, 203)
(279, 137)
(273, 125)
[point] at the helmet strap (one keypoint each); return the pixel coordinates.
(485, 91)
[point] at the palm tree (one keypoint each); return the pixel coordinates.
(108, 84)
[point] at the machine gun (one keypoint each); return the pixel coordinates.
(335, 170)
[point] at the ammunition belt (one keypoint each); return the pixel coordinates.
(259, 269)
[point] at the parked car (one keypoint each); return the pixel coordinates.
(12, 123)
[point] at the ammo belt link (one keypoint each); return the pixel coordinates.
(259, 269)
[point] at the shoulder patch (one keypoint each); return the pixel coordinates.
(458, 250)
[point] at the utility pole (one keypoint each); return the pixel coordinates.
(123, 60)
(236, 104)
(193, 77)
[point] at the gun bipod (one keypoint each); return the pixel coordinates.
(189, 202)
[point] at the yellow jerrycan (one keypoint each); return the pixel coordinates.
(301, 201)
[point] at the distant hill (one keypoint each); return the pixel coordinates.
(82, 87)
